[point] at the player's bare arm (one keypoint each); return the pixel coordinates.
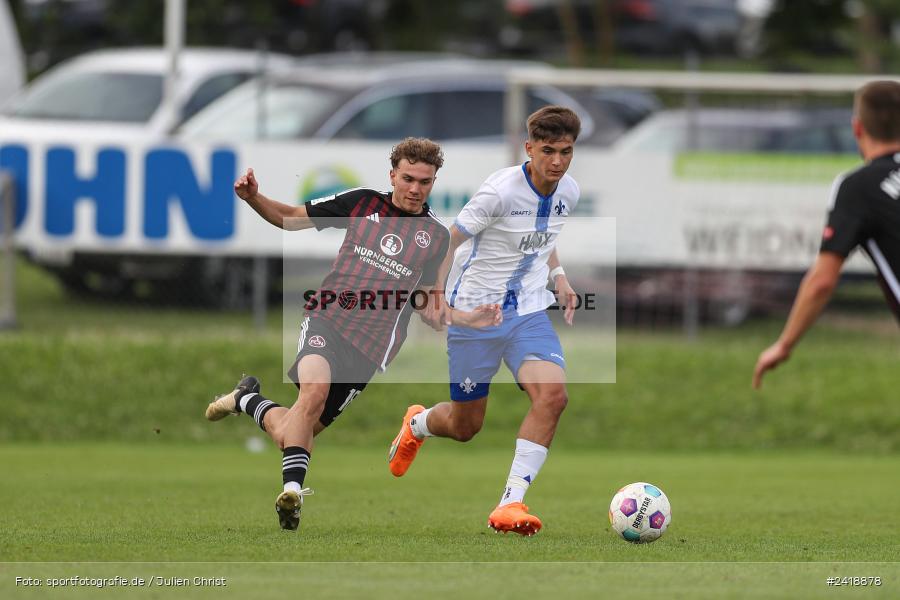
(284, 216)
(484, 315)
(813, 295)
(438, 313)
(565, 295)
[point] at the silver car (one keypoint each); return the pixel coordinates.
(445, 99)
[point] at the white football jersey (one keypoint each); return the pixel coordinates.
(512, 230)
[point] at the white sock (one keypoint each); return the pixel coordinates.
(244, 399)
(419, 424)
(292, 486)
(527, 462)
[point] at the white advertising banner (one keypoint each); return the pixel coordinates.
(760, 212)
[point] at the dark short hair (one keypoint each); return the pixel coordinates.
(553, 123)
(877, 106)
(417, 150)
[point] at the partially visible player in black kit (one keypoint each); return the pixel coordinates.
(356, 322)
(865, 213)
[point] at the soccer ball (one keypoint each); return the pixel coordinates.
(640, 512)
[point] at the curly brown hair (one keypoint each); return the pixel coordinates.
(418, 149)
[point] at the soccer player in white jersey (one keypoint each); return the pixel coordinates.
(502, 250)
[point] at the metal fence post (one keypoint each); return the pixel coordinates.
(691, 284)
(8, 216)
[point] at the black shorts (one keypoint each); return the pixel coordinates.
(350, 369)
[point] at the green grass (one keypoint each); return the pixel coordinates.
(110, 469)
(82, 371)
(162, 503)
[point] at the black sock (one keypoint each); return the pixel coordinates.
(257, 407)
(294, 463)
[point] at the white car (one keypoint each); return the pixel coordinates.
(757, 130)
(120, 91)
(12, 62)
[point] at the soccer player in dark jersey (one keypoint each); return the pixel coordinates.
(865, 213)
(356, 322)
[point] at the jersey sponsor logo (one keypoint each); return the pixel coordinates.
(391, 244)
(382, 262)
(423, 240)
(532, 242)
(317, 341)
(468, 386)
(520, 213)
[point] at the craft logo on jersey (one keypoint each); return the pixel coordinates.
(468, 386)
(532, 242)
(317, 341)
(391, 244)
(423, 240)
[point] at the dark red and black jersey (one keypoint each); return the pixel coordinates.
(387, 255)
(865, 212)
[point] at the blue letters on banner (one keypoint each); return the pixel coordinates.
(209, 212)
(14, 159)
(64, 189)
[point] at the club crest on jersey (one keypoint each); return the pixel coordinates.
(560, 209)
(317, 341)
(468, 386)
(423, 240)
(391, 244)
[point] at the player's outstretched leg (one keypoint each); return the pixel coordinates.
(514, 517)
(288, 505)
(228, 404)
(406, 444)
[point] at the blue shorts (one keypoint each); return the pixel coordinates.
(475, 353)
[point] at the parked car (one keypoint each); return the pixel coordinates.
(122, 89)
(446, 99)
(12, 62)
(721, 295)
(117, 94)
(796, 131)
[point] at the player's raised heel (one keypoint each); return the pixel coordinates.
(226, 405)
(514, 517)
(288, 505)
(405, 445)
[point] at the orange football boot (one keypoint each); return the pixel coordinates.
(405, 445)
(514, 517)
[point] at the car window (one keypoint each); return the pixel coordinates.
(809, 140)
(680, 137)
(209, 90)
(93, 96)
(286, 112)
(392, 118)
(461, 114)
(466, 114)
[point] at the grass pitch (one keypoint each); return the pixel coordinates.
(761, 525)
(107, 469)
